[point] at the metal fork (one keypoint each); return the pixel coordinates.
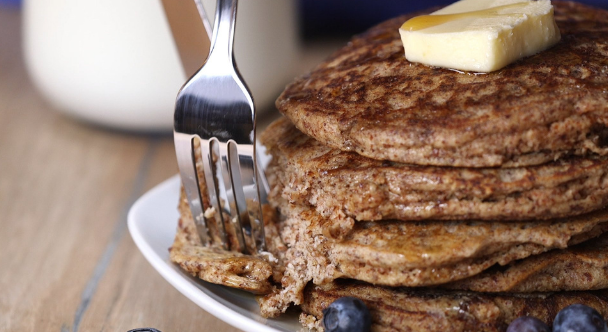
(216, 107)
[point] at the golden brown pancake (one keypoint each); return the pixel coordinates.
(427, 310)
(399, 253)
(369, 99)
(347, 185)
(255, 274)
(581, 267)
(252, 273)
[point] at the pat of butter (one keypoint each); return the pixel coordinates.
(480, 35)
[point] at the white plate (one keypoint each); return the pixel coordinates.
(152, 224)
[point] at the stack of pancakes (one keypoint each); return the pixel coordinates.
(444, 200)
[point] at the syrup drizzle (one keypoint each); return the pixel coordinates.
(427, 21)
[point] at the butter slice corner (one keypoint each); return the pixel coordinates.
(483, 43)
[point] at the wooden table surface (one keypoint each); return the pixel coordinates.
(67, 261)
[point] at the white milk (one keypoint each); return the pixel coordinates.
(114, 62)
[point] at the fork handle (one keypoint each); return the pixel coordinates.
(223, 31)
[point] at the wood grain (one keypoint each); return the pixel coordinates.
(68, 262)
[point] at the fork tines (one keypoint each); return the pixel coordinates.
(231, 169)
(228, 212)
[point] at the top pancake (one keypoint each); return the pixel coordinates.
(369, 99)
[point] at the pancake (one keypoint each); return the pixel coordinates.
(581, 267)
(255, 274)
(410, 253)
(369, 99)
(427, 310)
(346, 185)
(372, 202)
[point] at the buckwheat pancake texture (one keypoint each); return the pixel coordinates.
(213, 264)
(252, 273)
(369, 99)
(430, 252)
(343, 185)
(402, 253)
(427, 310)
(581, 267)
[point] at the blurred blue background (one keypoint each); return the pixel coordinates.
(319, 18)
(346, 17)
(10, 3)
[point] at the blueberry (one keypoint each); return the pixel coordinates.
(528, 324)
(579, 318)
(347, 314)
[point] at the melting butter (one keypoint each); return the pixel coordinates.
(480, 35)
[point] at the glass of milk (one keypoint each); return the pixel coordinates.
(115, 63)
